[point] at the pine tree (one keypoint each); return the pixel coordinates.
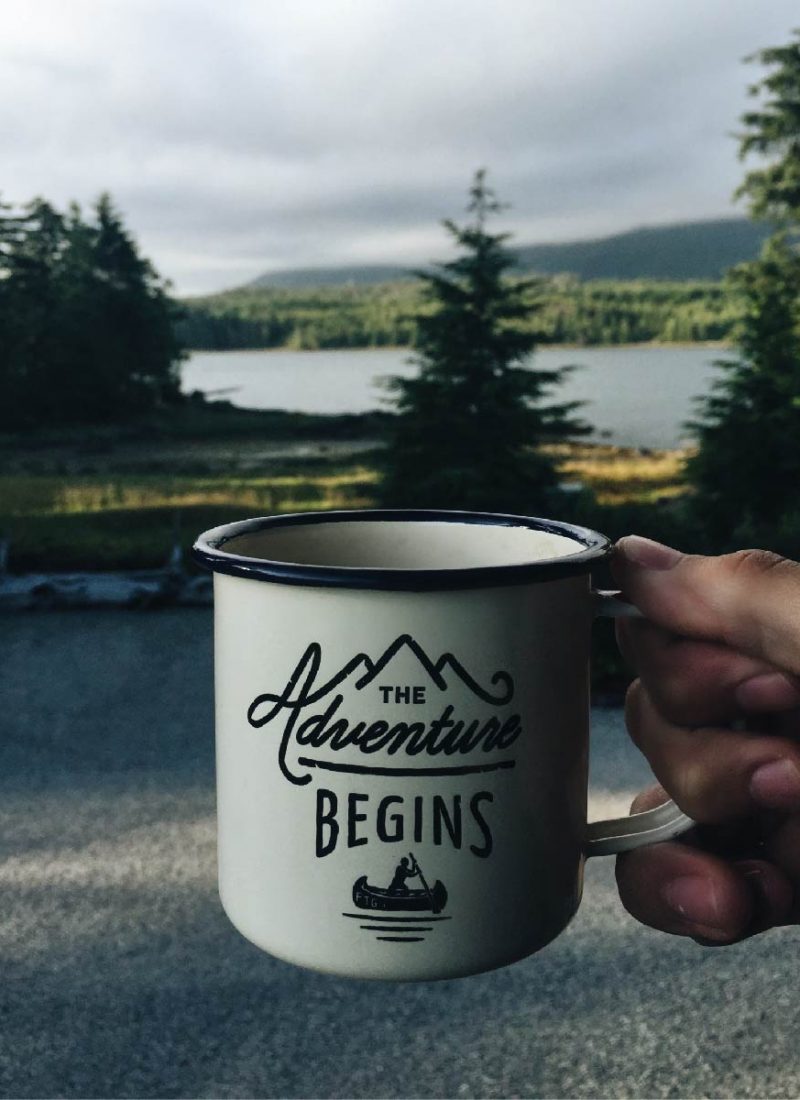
(33, 250)
(746, 473)
(135, 351)
(86, 324)
(772, 131)
(468, 426)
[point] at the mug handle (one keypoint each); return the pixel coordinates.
(623, 834)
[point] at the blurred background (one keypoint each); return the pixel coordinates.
(537, 257)
(214, 224)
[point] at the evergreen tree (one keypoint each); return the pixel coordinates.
(469, 424)
(86, 324)
(31, 353)
(772, 130)
(134, 354)
(746, 472)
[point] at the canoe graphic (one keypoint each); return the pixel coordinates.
(415, 901)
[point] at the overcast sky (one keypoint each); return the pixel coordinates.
(240, 136)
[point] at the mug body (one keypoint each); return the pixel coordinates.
(401, 755)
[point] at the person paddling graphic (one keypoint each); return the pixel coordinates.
(398, 894)
(406, 868)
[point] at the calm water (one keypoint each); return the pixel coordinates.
(635, 396)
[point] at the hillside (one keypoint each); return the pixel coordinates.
(694, 250)
(564, 310)
(305, 278)
(691, 250)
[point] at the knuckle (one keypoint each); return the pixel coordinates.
(755, 563)
(693, 784)
(759, 580)
(646, 712)
(711, 783)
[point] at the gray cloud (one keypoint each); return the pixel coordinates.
(254, 134)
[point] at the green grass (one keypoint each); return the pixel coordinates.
(113, 520)
(623, 475)
(125, 522)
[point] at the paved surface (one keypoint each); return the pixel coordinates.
(121, 976)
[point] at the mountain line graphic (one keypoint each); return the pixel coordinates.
(309, 664)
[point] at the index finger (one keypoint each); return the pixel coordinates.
(749, 601)
(695, 682)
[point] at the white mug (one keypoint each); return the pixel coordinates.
(402, 706)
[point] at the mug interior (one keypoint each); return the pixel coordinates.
(402, 545)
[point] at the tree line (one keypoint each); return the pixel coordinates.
(563, 310)
(87, 326)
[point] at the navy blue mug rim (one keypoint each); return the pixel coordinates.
(209, 552)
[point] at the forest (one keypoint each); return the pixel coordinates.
(86, 323)
(564, 310)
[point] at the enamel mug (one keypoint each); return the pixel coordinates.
(402, 729)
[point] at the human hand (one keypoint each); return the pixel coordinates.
(716, 711)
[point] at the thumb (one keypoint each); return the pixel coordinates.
(749, 600)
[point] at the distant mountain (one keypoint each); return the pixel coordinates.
(304, 277)
(689, 250)
(693, 250)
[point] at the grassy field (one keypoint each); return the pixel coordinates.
(126, 507)
(623, 475)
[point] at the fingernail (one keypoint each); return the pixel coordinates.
(776, 785)
(770, 690)
(647, 553)
(694, 899)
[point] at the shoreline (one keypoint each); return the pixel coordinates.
(284, 348)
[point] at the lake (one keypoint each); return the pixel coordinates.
(636, 396)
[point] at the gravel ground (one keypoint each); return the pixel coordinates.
(122, 978)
